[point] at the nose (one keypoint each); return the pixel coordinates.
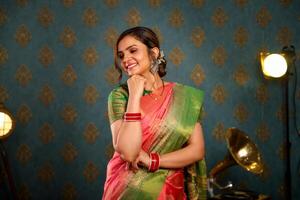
(125, 59)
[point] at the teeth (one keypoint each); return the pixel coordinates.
(130, 66)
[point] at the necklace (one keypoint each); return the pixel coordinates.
(153, 96)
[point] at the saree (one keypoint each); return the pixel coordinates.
(168, 120)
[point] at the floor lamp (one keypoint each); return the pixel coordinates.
(278, 66)
(7, 125)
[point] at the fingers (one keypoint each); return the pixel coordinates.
(136, 85)
(127, 167)
(141, 161)
(145, 159)
(137, 78)
(135, 165)
(132, 166)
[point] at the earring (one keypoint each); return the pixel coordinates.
(154, 66)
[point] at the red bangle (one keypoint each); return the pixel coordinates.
(154, 162)
(132, 114)
(132, 117)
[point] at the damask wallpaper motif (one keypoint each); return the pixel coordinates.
(56, 71)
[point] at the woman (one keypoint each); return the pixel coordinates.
(155, 125)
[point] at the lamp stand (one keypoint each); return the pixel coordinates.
(11, 184)
(287, 140)
(290, 55)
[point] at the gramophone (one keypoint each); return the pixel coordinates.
(242, 152)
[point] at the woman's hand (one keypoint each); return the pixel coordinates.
(143, 159)
(136, 85)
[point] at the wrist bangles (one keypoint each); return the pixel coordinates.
(154, 162)
(132, 117)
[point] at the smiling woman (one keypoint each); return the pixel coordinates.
(155, 127)
(132, 54)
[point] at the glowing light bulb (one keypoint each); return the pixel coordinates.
(274, 65)
(1, 120)
(5, 124)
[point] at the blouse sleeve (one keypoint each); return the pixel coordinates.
(117, 103)
(201, 113)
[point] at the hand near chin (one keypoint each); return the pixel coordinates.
(136, 84)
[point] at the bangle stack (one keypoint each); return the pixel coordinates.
(132, 117)
(154, 162)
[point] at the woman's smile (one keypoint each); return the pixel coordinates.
(130, 66)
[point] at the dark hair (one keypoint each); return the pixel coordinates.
(148, 38)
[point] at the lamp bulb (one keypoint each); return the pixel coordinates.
(274, 65)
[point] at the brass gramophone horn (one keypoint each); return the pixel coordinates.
(242, 151)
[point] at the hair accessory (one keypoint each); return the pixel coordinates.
(154, 162)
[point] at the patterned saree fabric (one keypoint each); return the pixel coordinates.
(168, 119)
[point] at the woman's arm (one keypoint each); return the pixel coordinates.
(194, 151)
(127, 136)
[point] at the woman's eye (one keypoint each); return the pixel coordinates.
(133, 50)
(120, 56)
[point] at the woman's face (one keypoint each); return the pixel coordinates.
(133, 55)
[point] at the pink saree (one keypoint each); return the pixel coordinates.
(168, 119)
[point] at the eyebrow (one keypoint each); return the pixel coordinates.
(128, 48)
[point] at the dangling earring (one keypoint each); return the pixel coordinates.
(155, 64)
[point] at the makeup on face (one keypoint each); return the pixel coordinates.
(130, 63)
(133, 56)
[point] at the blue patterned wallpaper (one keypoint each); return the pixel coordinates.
(56, 70)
